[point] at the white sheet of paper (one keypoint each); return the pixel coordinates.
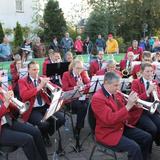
(55, 105)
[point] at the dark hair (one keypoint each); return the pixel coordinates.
(110, 77)
(30, 63)
(144, 65)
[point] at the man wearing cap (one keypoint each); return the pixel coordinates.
(111, 45)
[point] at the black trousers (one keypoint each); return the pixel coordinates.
(80, 108)
(150, 123)
(46, 127)
(136, 142)
(26, 136)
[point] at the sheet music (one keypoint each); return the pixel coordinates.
(55, 105)
(4, 81)
(72, 94)
(23, 72)
(96, 83)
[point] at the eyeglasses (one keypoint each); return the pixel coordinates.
(79, 68)
(35, 69)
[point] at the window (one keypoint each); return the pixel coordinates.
(19, 5)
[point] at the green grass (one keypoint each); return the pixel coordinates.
(84, 58)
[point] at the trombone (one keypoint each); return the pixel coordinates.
(23, 107)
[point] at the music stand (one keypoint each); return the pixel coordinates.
(54, 69)
(96, 83)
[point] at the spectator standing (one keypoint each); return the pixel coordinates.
(112, 45)
(66, 44)
(88, 45)
(100, 43)
(5, 50)
(39, 48)
(78, 45)
(54, 44)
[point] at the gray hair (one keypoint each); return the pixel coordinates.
(111, 62)
(111, 77)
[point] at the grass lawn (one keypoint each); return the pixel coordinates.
(84, 58)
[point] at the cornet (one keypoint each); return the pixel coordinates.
(145, 105)
(23, 107)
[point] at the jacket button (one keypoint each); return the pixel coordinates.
(121, 129)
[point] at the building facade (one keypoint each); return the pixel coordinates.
(12, 11)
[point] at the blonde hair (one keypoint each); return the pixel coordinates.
(73, 64)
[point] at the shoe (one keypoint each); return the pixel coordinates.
(47, 141)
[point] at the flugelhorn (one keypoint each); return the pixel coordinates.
(145, 105)
(23, 107)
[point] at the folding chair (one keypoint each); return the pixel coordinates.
(92, 124)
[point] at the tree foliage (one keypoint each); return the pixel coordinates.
(54, 22)
(127, 17)
(1, 33)
(18, 35)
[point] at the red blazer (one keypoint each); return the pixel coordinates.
(28, 92)
(44, 68)
(123, 64)
(139, 87)
(69, 82)
(103, 71)
(139, 51)
(4, 110)
(15, 74)
(110, 117)
(137, 68)
(94, 67)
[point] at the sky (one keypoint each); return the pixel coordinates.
(71, 7)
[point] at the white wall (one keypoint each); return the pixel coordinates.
(9, 16)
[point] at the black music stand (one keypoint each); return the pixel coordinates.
(56, 70)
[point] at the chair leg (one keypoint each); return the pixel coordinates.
(115, 156)
(93, 149)
(72, 125)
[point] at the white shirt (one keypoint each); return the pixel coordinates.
(36, 101)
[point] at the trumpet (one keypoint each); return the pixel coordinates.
(145, 105)
(156, 101)
(23, 107)
(51, 89)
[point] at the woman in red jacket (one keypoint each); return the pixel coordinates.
(73, 79)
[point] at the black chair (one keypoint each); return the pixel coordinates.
(105, 149)
(5, 150)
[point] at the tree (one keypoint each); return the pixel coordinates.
(1, 33)
(54, 22)
(18, 35)
(130, 16)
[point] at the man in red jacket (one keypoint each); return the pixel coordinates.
(136, 72)
(97, 64)
(144, 87)
(136, 50)
(110, 67)
(31, 90)
(14, 133)
(112, 127)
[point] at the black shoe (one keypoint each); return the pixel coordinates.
(47, 141)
